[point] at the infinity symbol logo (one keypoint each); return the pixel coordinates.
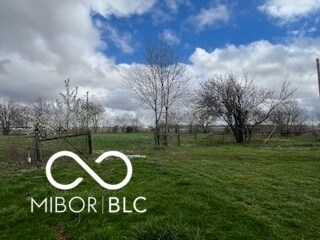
(89, 170)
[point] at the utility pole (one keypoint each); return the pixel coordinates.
(318, 71)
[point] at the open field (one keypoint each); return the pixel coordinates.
(193, 192)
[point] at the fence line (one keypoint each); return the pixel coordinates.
(35, 150)
(29, 148)
(310, 138)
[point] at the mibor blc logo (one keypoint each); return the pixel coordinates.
(89, 170)
(58, 204)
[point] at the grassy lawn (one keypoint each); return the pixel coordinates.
(222, 192)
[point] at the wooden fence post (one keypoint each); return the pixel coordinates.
(37, 148)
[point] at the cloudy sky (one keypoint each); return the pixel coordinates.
(95, 42)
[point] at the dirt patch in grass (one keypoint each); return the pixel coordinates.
(58, 231)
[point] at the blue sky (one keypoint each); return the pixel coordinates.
(236, 22)
(95, 43)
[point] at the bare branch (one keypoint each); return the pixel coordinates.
(241, 104)
(161, 82)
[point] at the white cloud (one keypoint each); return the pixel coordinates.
(304, 31)
(167, 12)
(210, 17)
(173, 5)
(121, 8)
(170, 37)
(290, 10)
(268, 63)
(43, 43)
(160, 16)
(3, 63)
(121, 40)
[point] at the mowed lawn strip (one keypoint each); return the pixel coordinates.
(222, 192)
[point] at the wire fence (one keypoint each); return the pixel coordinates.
(308, 138)
(17, 149)
(78, 143)
(22, 149)
(32, 149)
(137, 141)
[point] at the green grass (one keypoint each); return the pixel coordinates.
(222, 192)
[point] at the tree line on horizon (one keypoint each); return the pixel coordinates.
(68, 113)
(162, 85)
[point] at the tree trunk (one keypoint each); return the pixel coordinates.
(5, 130)
(156, 130)
(166, 128)
(237, 133)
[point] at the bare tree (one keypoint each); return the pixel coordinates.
(176, 118)
(204, 119)
(135, 124)
(190, 111)
(96, 112)
(9, 115)
(160, 83)
(241, 104)
(24, 116)
(289, 117)
(120, 123)
(190, 119)
(144, 83)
